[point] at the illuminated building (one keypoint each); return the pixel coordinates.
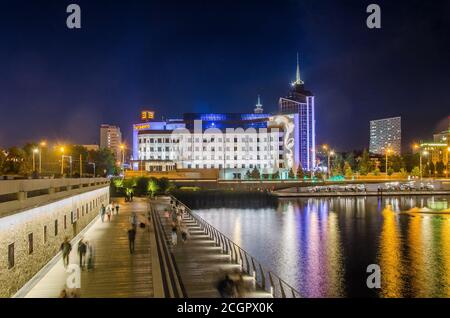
(111, 138)
(301, 101)
(234, 143)
(385, 134)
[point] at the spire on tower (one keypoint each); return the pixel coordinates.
(258, 109)
(298, 80)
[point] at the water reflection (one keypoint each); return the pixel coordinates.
(323, 246)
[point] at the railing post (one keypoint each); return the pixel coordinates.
(272, 285)
(283, 294)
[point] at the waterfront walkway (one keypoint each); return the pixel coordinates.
(200, 263)
(117, 273)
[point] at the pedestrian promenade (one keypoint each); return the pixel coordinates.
(117, 273)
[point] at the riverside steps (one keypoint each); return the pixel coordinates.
(208, 255)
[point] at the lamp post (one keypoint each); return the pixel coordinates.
(92, 163)
(329, 154)
(388, 151)
(422, 153)
(446, 169)
(35, 151)
(122, 147)
(62, 161)
(42, 144)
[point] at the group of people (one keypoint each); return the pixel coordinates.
(85, 252)
(177, 224)
(109, 210)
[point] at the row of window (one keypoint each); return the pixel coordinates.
(85, 209)
(212, 148)
(232, 166)
(211, 157)
(208, 140)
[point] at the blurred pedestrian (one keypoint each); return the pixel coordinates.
(90, 256)
(66, 248)
(133, 220)
(117, 208)
(131, 238)
(174, 235)
(102, 212)
(82, 249)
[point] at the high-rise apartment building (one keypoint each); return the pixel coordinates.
(385, 134)
(111, 138)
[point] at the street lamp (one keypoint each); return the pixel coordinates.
(388, 151)
(62, 160)
(425, 153)
(35, 151)
(122, 147)
(446, 170)
(41, 145)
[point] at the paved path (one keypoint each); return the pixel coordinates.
(200, 262)
(116, 272)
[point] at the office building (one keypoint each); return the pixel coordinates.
(385, 134)
(111, 138)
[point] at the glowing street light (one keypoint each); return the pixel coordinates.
(388, 151)
(42, 144)
(424, 153)
(62, 160)
(35, 151)
(122, 147)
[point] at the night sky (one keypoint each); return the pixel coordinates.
(217, 56)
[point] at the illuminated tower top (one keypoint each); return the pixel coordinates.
(298, 80)
(258, 109)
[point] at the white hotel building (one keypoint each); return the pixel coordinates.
(234, 143)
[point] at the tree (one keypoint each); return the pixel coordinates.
(300, 174)
(350, 159)
(2, 160)
(403, 173)
(440, 168)
(104, 161)
(164, 185)
(397, 163)
(338, 163)
(291, 174)
(15, 161)
(415, 171)
(390, 171)
(364, 164)
(248, 174)
(255, 173)
(376, 172)
(348, 170)
(276, 175)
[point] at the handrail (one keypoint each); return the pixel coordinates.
(264, 278)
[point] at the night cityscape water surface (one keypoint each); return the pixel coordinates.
(323, 246)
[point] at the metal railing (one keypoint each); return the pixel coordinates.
(264, 278)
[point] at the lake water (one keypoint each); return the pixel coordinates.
(322, 247)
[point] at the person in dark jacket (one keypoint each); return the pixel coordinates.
(82, 249)
(131, 238)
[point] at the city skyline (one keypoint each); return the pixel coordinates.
(131, 67)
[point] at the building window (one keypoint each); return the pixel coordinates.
(30, 243)
(56, 227)
(45, 234)
(10, 255)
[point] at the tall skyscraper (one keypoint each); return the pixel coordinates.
(385, 134)
(111, 138)
(301, 101)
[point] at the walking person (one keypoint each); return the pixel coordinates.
(82, 249)
(117, 208)
(66, 248)
(108, 214)
(174, 235)
(102, 212)
(131, 238)
(184, 233)
(133, 220)
(90, 256)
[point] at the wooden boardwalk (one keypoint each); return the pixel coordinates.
(117, 273)
(201, 264)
